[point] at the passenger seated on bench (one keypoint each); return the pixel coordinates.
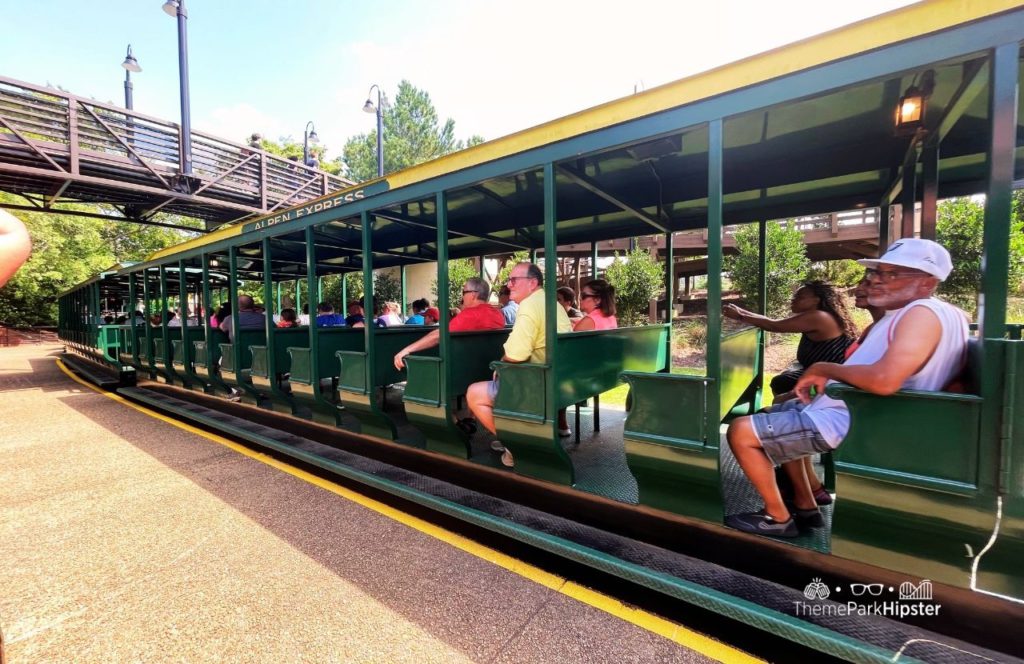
(355, 316)
(288, 319)
(325, 316)
(825, 326)
(248, 318)
(860, 300)
(418, 307)
(526, 343)
(476, 314)
(431, 316)
(597, 300)
(919, 343)
(567, 299)
(508, 306)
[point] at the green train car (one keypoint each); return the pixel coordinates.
(929, 486)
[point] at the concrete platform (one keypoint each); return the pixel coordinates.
(124, 538)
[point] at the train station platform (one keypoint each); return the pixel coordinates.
(126, 536)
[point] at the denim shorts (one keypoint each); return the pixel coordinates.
(787, 433)
(492, 390)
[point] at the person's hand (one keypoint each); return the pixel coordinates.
(399, 359)
(814, 378)
(732, 311)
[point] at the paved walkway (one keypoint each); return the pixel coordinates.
(127, 539)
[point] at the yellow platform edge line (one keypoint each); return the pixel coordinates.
(665, 628)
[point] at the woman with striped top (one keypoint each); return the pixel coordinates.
(825, 326)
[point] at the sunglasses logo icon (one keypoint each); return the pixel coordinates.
(873, 589)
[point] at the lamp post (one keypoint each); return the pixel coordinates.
(130, 65)
(177, 8)
(368, 107)
(309, 136)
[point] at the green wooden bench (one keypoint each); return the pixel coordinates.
(277, 388)
(162, 355)
(917, 473)
(672, 440)
(585, 365)
(133, 337)
(317, 386)
(238, 377)
(189, 336)
(110, 343)
(361, 381)
(206, 360)
(433, 388)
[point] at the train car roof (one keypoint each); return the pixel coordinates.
(901, 25)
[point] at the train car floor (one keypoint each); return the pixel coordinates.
(126, 538)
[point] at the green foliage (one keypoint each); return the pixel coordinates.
(637, 278)
(354, 285)
(67, 250)
(386, 288)
(506, 268)
(287, 147)
(459, 270)
(959, 228)
(786, 264)
(844, 273)
(413, 133)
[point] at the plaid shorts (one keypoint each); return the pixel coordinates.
(787, 433)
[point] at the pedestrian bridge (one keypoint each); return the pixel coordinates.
(58, 149)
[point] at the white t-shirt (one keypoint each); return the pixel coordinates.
(830, 415)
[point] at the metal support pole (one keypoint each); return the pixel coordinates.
(883, 228)
(380, 134)
(714, 342)
(314, 331)
(344, 294)
(164, 308)
(207, 295)
(998, 199)
(368, 223)
(236, 349)
(146, 315)
(405, 284)
(186, 121)
(186, 347)
(762, 297)
(268, 318)
(550, 280)
(930, 189)
(908, 195)
(443, 299)
(670, 297)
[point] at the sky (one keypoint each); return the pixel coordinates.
(270, 66)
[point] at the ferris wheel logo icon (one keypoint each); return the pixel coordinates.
(816, 590)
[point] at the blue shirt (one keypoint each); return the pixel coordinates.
(415, 319)
(355, 318)
(330, 320)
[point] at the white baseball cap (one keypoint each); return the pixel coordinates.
(924, 255)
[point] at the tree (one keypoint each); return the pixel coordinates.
(960, 229)
(288, 148)
(386, 288)
(67, 250)
(786, 264)
(637, 278)
(459, 270)
(413, 133)
(844, 272)
(506, 267)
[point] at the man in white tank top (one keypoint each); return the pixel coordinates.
(920, 343)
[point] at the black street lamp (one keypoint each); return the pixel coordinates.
(130, 65)
(177, 8)
(379, 110)
(309, 136)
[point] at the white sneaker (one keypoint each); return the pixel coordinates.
(565, 433)
(496, 446)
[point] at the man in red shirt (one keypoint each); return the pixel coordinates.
(476, 314)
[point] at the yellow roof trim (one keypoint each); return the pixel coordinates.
(872, 33)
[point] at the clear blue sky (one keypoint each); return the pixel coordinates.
(495, 67)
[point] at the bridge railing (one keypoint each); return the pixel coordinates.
(47, 135)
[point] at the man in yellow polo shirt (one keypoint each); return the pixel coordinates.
(526, 343)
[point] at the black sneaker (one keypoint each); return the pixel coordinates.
(808, 518)
(760, 523)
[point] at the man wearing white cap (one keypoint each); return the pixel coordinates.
(920, 343)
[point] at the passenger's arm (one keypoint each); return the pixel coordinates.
(914, 340)
(428, 340)
(810, 321)
(584, 324)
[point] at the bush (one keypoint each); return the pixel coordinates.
(637, 278)
(459, 270)
(959, 228)
(786, 264)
